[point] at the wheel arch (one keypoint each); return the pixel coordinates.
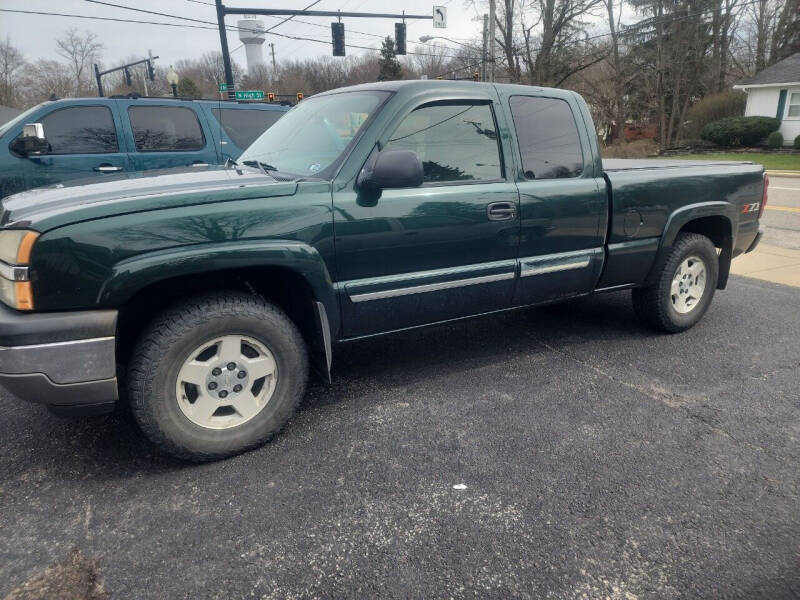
(715, 220)
(290, 274)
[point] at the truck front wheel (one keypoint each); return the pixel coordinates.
(684, 286)
(217, 375)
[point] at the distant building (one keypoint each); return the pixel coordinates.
(775, 92)
(7, 113)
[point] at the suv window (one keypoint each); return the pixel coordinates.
(243, 126)
(548, 137)
(80, 130)
(165, 128)
(456, 142)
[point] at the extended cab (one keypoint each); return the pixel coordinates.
(79, 138)
(203, 297)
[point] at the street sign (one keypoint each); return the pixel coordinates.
(223, 87)
(440, 17)
(250, 95)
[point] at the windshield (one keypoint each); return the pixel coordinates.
(9, 124)
(313, 136)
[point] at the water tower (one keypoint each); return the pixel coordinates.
(251, 34)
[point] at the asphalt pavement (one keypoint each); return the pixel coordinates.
(557, 453)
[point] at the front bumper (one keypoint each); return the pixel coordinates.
(64, 360)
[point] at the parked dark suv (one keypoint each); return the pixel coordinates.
(63, 140)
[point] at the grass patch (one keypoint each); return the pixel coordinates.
(771, 162)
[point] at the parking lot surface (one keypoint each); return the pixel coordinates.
(595, 459)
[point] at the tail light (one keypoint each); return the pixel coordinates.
(764, 197)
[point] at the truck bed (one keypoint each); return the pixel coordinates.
(650, 198)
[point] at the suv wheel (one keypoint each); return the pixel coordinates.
(215, 376)
(684, 288)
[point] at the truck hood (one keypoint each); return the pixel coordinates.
(45, 208)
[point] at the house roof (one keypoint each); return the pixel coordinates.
(785, 71)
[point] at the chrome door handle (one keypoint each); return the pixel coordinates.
(501, 211)
(107, 168)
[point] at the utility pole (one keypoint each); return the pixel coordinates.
(492, 20)
(272, 53)
(485, 46)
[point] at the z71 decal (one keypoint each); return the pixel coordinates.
(748, 208)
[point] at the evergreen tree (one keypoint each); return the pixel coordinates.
(187, 88)
(390, 68)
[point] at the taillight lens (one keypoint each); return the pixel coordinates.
(764, 197)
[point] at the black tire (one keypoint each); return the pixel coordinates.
(171, 337)
(653, 304)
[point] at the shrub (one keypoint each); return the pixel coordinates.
(797, 143)
(713, 108)
(739, 131)
(775, 140)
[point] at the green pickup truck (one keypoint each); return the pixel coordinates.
(205, 298)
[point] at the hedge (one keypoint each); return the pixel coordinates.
(739, 131)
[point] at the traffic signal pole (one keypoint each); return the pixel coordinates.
(223, 41)
(98, 74)
(223, 10)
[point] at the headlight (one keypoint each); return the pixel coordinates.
(16, 246)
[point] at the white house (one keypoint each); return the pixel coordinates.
(775, 92)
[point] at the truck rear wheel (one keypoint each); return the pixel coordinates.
(684, 288)
(214, 376)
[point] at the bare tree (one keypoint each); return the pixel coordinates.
(505, 24)
(432, 62)
(559, 52)
(80, 51)
(207, 71)
(47, 78)
(724, 20)
(786, 39)
(11, 63)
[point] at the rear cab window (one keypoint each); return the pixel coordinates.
(548, 137)
(166, 129)
(242, 125)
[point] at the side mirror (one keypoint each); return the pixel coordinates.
(392, 169)
(32, 140)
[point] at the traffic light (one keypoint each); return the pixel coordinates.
(299, 96)
(128, 80)
(399, 38)
(337, 31)
(271, 96)
(151, 72)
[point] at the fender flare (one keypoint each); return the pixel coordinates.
(131, 275)
(679, 218)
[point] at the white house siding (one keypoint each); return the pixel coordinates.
(763, 102)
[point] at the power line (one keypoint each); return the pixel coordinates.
(290, 17)
(55, 14)
(229, 27)
(212, 26)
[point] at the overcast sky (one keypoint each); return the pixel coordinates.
(35, 35)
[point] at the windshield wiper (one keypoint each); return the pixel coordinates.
(257, 163)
